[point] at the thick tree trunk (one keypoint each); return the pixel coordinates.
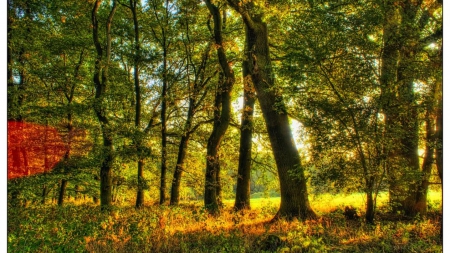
(370, 208)
(407, 115)
(242, 200)
(439, 122)
(439, 140)
(294, 194)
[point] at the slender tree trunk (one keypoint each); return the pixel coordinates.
(45, 191)
(137, 118)
(101, 82)
(62, 192)
(294, 194)
(140, 191)
(162, 190)
(200, 82)
(176, 183)
(221, 118)
(242, 200)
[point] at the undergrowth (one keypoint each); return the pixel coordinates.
(84, 228)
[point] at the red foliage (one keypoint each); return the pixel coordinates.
(32, 149)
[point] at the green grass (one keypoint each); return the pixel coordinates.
(83, 228)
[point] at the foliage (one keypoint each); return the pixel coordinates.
(80, 226)
(337, 74)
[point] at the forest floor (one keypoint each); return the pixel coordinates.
(81, 227)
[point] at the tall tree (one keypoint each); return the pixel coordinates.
(404, 39)
(164, 13)
(198, 64)
(137, 59)
(222, 114)
(242, 200)
(101, 82)
(294, 194)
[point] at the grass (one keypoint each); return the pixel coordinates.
(326, 203)
(188, 228)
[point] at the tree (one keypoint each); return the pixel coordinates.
(402, 66)
(165, 35)
(294, 194)
(101, 82)
(222, 114)
(197, 87)
(242, 200)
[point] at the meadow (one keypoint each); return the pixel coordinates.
(82, 227)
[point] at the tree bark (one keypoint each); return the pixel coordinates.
(439, 140)
(420, 204)
(140, 191)
(162, 190)
(242, 200)
(195, 98)
(370, 209)
(389, 65)
(294, 194)
(176, 183)
(221, 118)
(137, 89)
(62, 192)
(101, 83)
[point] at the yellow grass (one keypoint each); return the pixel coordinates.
(329, 202)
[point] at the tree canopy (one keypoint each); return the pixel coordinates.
(197, 100)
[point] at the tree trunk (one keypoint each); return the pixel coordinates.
(439, 141)
(200, 82)
(242, 200)
(162, 191)
(140, 191)
(101, 82)
(407, 115)
(221, 122)
(45, 191)
(221, 118)
(388, 78)
(137, 118)
(294, 194)
(420, 205)
(370, 208)
(62, 192)
(439, 123)
(176, 183)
